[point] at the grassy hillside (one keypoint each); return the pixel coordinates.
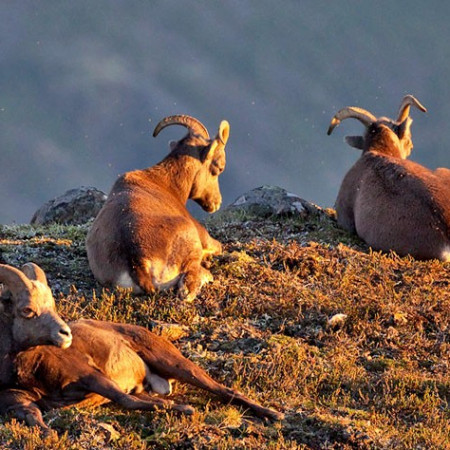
(378, 378)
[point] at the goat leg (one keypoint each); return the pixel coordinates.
(164, 359)
(192, 281)
(182, 369)
(210, 245)
(140, 276)
(99, 384)
(21, 404)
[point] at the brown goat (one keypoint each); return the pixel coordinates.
(27, 316)
(144, 237)
(105, 361)
(390, 202)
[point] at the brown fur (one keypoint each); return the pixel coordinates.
(27, 313)
(144, 237)
(106, 362)
(27, 318)
(392, 203)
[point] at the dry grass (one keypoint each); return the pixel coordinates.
(376, 378)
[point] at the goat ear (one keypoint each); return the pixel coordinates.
(34, 272)
(172, 145)
(224, 132)
(220, 139)
(355, 141)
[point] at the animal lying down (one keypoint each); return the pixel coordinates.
(144, 238)
(390, 202)
(46, 363)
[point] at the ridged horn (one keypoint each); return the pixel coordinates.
(14, 279)
(351, 112)
(407, 102)
(192, 124)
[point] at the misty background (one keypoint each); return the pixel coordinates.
(84, 83)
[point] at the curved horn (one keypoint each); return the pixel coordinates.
(192, 124)
(351, 112)
(15, 280)
(407, 102)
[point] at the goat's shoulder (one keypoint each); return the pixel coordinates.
(404, 170)
(393, 168)
(405, 178)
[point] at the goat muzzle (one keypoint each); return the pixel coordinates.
(63, 339)
(210, 207)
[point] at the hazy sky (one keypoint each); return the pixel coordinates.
(84, 83)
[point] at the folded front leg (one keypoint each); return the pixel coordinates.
(22, 404)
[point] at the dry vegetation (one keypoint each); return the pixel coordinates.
(377, 377)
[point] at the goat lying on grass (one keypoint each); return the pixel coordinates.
(390, 202)
(144, 237)
(46, 364)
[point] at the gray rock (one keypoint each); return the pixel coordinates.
(74, 207)
(266, 201)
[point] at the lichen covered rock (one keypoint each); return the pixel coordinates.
(268, 201)
(74, 207)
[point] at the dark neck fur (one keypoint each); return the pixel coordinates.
(382, 140)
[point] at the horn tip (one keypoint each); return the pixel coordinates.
(334, 123)
(156, 130)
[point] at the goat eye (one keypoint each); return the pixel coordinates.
(28, 313)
